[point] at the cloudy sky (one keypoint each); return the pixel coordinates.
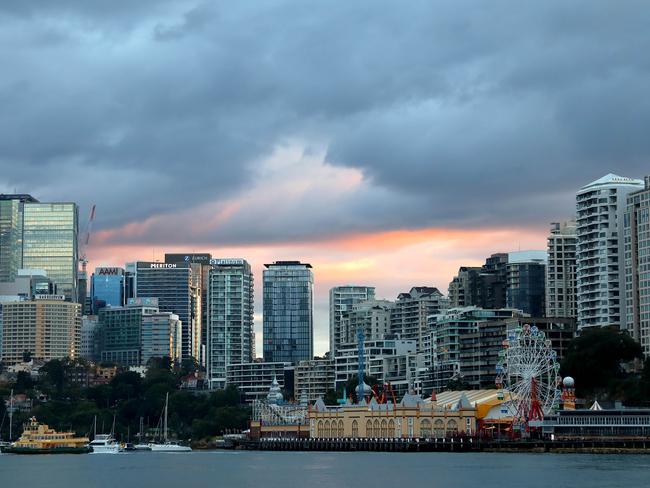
(386, 143)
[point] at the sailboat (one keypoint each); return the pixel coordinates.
(10, 410)
(167, 445)
(105, 443)
(141, 446)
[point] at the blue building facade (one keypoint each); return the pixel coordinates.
(107, 288)
(288, 312)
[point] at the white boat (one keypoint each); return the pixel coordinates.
(105, 443)
(167, 445)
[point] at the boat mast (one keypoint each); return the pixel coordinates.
(166, 406)
(11, 413)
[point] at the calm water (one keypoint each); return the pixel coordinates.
(330, 470)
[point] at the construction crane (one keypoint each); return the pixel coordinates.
(86, 239)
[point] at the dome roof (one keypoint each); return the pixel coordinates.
(568, 382)
(366, 389)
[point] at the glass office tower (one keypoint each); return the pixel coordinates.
(11, 235)
(230, 318)
(172, 284)
(288, 312)
(50, 232)
(107, 288)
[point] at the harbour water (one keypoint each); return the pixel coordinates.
(233, 469)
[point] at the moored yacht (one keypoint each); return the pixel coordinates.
(105, 444)
(167, 445)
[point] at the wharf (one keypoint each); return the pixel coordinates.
(465, 444)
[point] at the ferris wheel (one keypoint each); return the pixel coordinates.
(528, 370)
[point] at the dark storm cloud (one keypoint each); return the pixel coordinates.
(457, 113)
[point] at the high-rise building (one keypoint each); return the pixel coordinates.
(637, 266)
(107, 288)
(600, 250)
(288, 312)
(230, 318)
(527, 282)
(11, 234)
(313, 379)
(372, 316)
(160, 336)
(409, 315)
(483, 286)
(341, 300)
(120, 334)
(561, 270)
(174, 287)
(89, 340)
(50, 232)
(49, 328)
(200, 264)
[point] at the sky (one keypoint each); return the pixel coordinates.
(386, 143)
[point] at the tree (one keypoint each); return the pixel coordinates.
(23, 382)
(595, 358)
(27, 356)
(353, 382)
(331, 398)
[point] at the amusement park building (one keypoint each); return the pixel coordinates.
(410, 418)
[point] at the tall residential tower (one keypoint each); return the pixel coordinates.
(637, 266)
(600, 262)
(288, 312)
(561, 270)
(342, 298)
(230, 318)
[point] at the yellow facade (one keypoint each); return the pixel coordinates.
(363, 421)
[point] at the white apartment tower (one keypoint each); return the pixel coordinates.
(230, 318)
(561, 270)
(600, 263)
(637, 266)
(341, 300)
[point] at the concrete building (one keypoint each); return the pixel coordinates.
(314, 378)
(254, 379)
(288, 312)
(48, 327)
(175, 287)
(50, 242)
(561, 270)
(372, 316)
(161, 335)
(637, 266)
(600, 252)
(388, 359)
(409, 315)
(342, 298)
(11, 234)
(482, 286)
(27, 284)
(89, 339)
(466, 342)
(230, 318)
(451, 329)
(526, 275)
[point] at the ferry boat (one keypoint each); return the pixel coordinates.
(39, 438)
